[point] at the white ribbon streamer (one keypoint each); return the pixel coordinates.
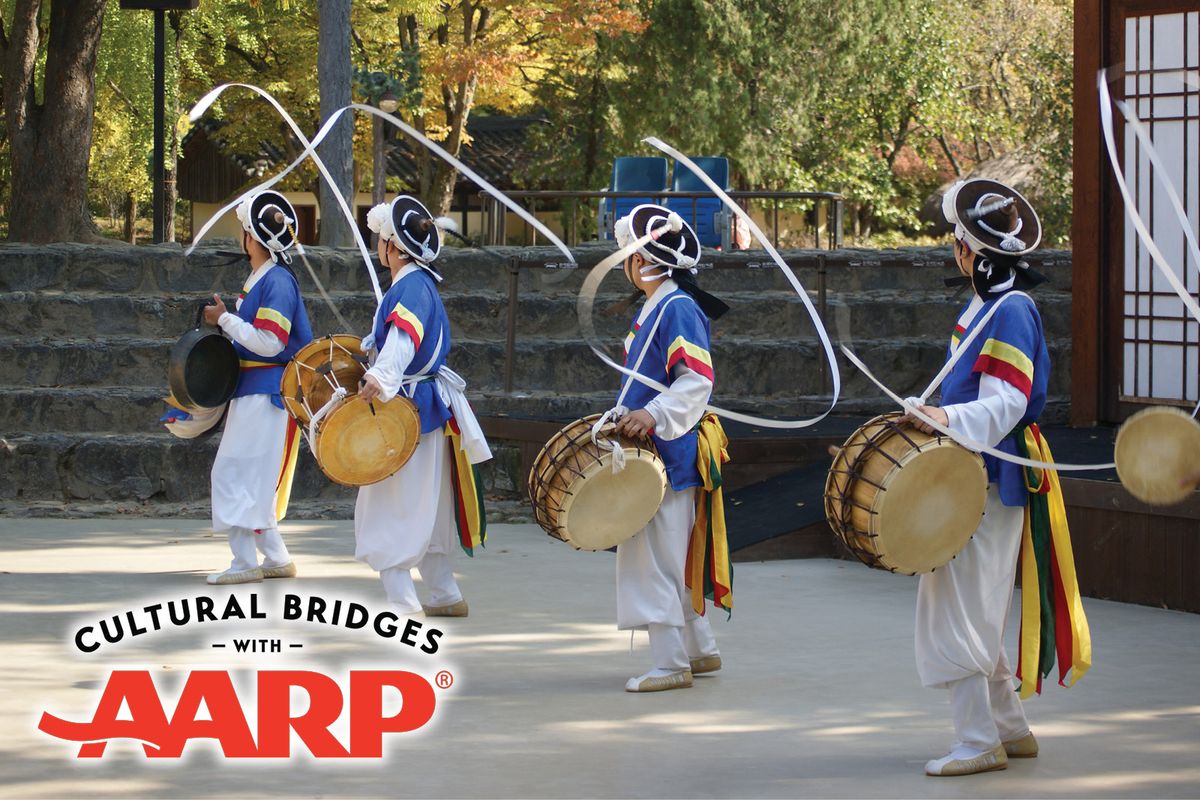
(963, 344)
(310, 151)
(1143, 233)
(591, 286)
(206, 102)
(970, 444)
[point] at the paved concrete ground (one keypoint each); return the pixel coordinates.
(818, 698)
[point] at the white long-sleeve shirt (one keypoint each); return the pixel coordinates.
(678, 412)
(397, 353)
(993, 416)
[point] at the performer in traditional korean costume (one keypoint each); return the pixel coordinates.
(994, 395)
(665, 571)
(414, 518)
(252, 474)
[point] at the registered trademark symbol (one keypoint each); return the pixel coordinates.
(444, 680)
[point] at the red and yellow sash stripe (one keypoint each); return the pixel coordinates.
(693, 356)
(268, 319)
(408, 322)
(287, 469)
(708, 571)
(469, 513)
(1007, 363)
(247, 363)
(1052, 618)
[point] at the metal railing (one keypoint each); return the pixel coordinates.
(495, 215)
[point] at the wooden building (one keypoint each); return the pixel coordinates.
(209, 176)
(1134, 344)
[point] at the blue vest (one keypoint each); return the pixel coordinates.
(1013, 348)
(274, 304)
(681, 336)
(413, 306)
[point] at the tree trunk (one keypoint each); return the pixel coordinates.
(337, 151)
(51, 142)
(171, 157)
(130, 219)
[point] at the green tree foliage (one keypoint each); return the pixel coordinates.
(882, 101)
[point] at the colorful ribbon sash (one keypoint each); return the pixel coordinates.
(469, 513)
(1052, 618)
(708, 571)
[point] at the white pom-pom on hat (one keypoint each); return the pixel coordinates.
(446, 224)
(379, 220)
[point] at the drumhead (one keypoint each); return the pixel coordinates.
(1156, 449)
(603, 509)
(303, 387)
(930, 509)
(360, 443)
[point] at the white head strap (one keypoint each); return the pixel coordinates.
(1008, 239)
(427, 253)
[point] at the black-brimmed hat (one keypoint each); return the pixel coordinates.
(414, 229)
(270, 219)
(678, 249)
(991, 216)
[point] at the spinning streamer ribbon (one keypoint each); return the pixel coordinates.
(1139, 130)
(591, 285)
(310, 148)
(204, 103)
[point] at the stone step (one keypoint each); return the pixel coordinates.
(94, 473)
(479, 315)
(498, 511)
(117, 268)
(744, 366)
(136, 410)
(160, 468)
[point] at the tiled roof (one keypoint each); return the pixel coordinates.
(497, 151)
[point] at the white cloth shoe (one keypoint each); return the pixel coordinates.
(287, 570)
(966, 761)
(229, 576)
(660, 680)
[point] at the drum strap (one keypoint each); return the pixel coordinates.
(1052, 618)
(708, 572)
(338, 394)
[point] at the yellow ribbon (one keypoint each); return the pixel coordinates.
(469, 507)
(710, 455)
(287, 469)
(1063, 555)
